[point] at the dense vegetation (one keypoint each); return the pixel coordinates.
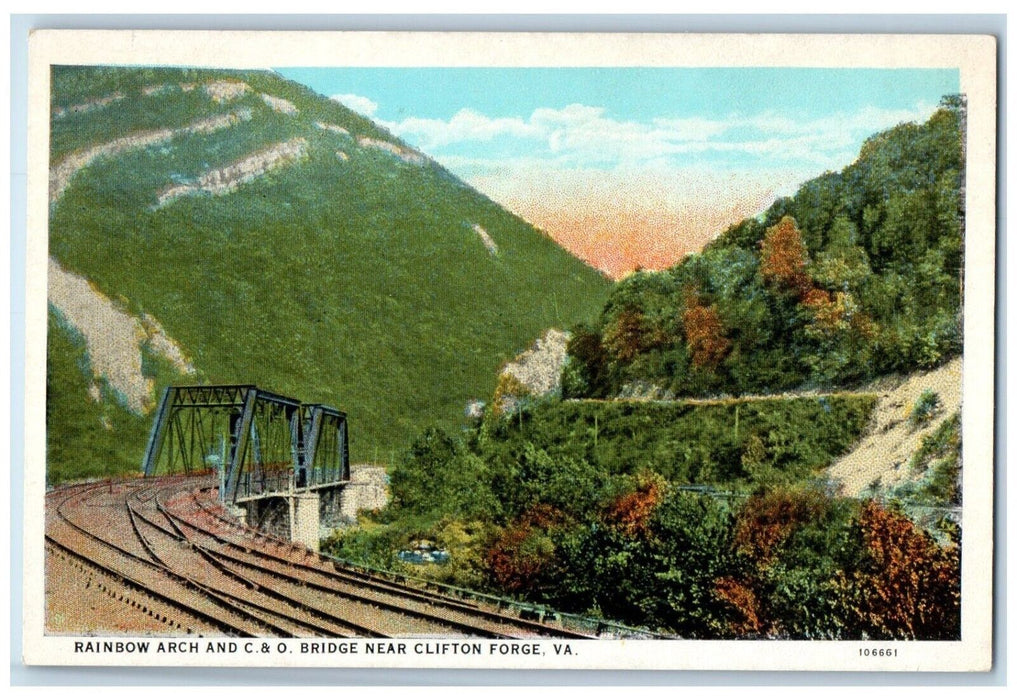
(529, 508)
(708, 518)
(854, 277)
(731, 444)
(349, 277)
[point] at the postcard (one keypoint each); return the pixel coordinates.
(510, 351)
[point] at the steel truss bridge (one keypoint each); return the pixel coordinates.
(259, 443)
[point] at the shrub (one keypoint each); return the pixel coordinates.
(631, 511)
(508, 394)
(926, 407)
(906, 586)
(766, 520)
(522, 559)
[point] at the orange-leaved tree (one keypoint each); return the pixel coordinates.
(767, 519)
(909, 585)
(631, 511)
(627, 335)
(704, 333)
(763, 526)
(784, 257)
(522, 557)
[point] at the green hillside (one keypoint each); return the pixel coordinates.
(349, 272)
(713, 517)
(854, 277)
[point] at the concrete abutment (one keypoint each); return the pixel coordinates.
(300, 517)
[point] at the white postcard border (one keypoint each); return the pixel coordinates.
(973, 56)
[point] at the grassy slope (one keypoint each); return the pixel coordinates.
(357, 283)
(738, 443)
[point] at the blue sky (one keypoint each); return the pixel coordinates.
(685, 150)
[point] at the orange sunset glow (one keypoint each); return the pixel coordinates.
(618, 241)
(648, 222)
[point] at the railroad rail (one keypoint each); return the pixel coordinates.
(161, 555)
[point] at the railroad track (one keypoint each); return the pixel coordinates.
(129, 575)
(324, 574)
(163, 552)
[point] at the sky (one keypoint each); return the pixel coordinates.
(635, 167)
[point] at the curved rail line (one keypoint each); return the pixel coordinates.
(232, 567)
(163, 548)
(327, 574)
(134, 573)
(283, 620)
(195, 593)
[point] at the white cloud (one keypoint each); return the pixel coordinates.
(692, 128)
(465, 125)
(585, 135)
(358, 103)
(868, 120)
(623, 191)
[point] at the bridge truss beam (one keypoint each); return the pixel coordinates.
(258, 441)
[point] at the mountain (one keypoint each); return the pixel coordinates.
(235, 227)
(856, 276)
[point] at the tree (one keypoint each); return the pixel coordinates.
(704, 334)
(584, 374)
(522, 559)
(631, 511)
(783, 257)
(625, 337)
(795, 542)
(690, 552)
(440, 474)
(843, 264)
(906, 586)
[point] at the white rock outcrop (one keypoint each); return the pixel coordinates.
(88, 106)
(486, 239)
(226, 90)
(280, 105)
(155, 90)
(334, 128)
(404, 154)
(113, 338)
(60, 174)
(539, 368)
(226, 179)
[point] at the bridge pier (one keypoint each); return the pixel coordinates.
(303, 516)
(304, 520)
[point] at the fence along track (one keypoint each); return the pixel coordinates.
(447, 612)
(327, 567)
(335, 569)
